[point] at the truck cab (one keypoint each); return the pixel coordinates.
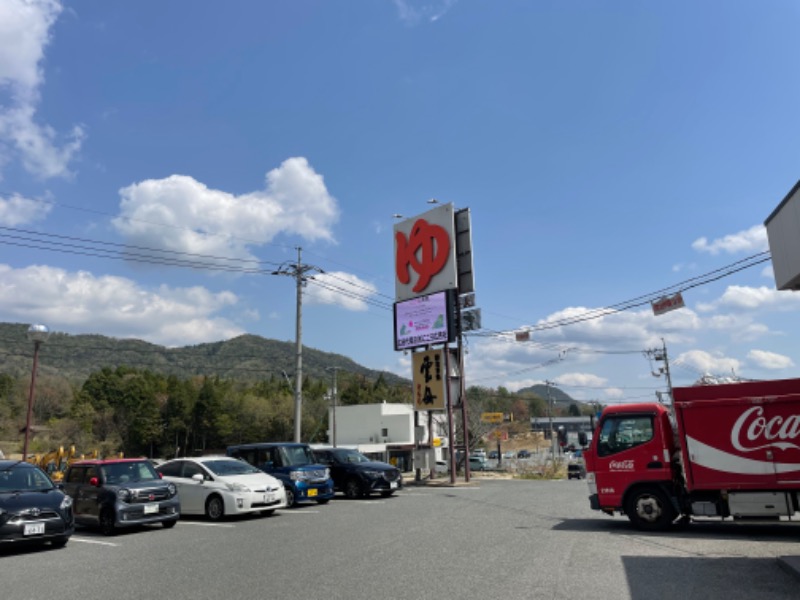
(629, 464)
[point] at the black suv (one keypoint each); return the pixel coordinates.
(358, 476)
(120, 492)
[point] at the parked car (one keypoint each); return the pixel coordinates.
(509, 454)
(120, 492)
(294, 465)
(493, 454)
(524, 454)
(219, 486)
(476, 463)
(32, 507)
(480, 452)
(358, 476)
(576, 471)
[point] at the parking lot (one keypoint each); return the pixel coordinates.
(491, 538)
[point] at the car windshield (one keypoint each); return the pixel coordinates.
(24, 479)
(124, 472)
(225, 466)
(350, 456)
(297, 456)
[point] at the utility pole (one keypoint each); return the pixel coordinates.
(661, 356)
(298, 271)
(334, 399)
(550, 414)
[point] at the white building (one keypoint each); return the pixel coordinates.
(384, 431)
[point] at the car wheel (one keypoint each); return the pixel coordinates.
(59, 542)
(352, 489)
(169, 524)
(215, 508)
(107, 522)
(290, 499)
(323, 500)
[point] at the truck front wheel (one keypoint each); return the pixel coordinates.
(649, 509)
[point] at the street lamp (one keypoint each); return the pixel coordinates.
(37, 334)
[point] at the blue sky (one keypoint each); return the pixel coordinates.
(606, 149)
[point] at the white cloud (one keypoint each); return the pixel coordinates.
(24, 33)
(181, 214)
(769, 360)
(580, 380)
(413, 11)
(342, 289)
(17, 210)
(752, 240)
(739, 297)
(705, 362)
(79, 302)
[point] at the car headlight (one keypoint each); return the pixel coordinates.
(327, 473)
(124, 494)
(65, 503)
(297, 476)
(172, 489)
(237, 487)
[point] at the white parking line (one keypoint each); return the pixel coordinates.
(299, 512)
(201, 524)
(85, 541)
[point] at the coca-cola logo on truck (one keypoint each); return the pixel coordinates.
(753, 431)
(621, 465)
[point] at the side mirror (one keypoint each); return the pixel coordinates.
(94, 482)
(198, 477)
(268, 465)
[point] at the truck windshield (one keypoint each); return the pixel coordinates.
(622, 432)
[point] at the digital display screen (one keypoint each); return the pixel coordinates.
(424, 320)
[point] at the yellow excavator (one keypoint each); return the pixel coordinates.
(55, 462)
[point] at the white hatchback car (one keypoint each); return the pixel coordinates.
(218, 486)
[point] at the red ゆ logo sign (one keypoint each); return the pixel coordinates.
(425, 251)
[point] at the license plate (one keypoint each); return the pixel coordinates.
(150, 509)
(312, 492)
(393, 485)
(33, 529)
(268, 498)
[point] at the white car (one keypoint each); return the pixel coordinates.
(218, 486)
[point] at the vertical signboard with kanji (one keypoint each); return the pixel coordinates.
(430, 380)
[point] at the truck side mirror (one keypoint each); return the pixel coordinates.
(582, 438)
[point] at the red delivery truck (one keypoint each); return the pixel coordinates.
(725, 451)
